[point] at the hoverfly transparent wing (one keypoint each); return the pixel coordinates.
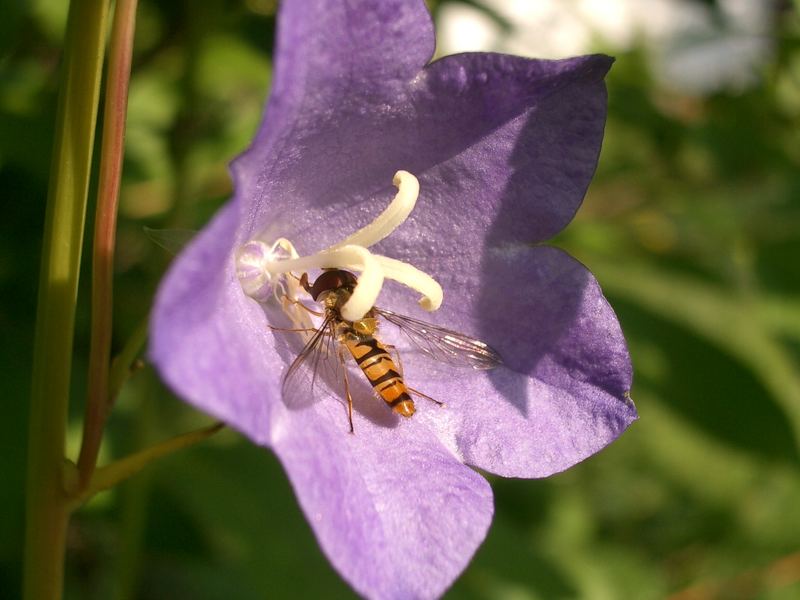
(171, 240)
(316, 372)
(444, 345)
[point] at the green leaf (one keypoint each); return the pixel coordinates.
(733, 324)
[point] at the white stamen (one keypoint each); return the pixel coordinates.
(391, 218)
(349, 257)
(252, 267)
(260, 266)
(432, 294)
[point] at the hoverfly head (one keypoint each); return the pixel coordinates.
(333, 288)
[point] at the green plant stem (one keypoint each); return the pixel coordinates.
(110, 475)
(123, 364)
(134, 495)
(116, 103)
(47, 512)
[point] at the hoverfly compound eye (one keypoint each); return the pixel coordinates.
(274, 270)
(333, 280)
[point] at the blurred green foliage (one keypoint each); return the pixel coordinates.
(692, 226)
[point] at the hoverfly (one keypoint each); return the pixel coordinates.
(324, 355)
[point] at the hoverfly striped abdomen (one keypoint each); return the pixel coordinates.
(383, 375)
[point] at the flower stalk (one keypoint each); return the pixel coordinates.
(125, 363)
(47, 513)
(108, 476)
(116, 102)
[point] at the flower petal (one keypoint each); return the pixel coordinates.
(561, 394)
(396, 513)
(209, 341)
(333, 57)
(511, 146)
(496, 141)
(363, 42)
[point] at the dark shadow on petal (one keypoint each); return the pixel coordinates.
(368, 405)
(524, 315)
(546, 315)
(525, 307)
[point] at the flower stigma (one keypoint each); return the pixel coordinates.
(271, 270)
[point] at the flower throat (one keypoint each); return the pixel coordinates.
(262, 267)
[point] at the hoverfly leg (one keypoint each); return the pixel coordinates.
(303, 306)
(347, 390)
(418, 393)
(293, 329)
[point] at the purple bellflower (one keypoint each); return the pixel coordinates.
(494, 154)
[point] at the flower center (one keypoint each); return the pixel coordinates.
(271, 270)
